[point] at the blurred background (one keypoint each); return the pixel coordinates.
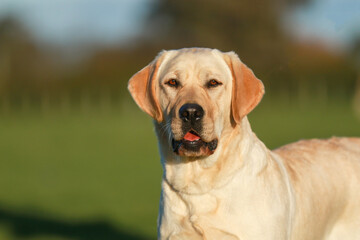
(79, 160)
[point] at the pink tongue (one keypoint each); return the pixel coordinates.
(191, 137)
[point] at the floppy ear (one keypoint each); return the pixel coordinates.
(247, 90)
(142, 87)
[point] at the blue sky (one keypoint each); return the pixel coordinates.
(69, 21)
(334, 22)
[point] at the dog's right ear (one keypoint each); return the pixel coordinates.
(142, 87)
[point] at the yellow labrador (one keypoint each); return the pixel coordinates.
(220, 181)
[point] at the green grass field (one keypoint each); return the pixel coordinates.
(97, 175)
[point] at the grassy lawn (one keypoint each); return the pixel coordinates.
(96, 175)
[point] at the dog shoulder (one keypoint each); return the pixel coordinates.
(309, 148)
(306, 156)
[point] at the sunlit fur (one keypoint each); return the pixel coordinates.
(309, 190)
(193, 78)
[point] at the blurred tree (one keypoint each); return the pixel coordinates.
(254, 30)
(24, 68)
(251, 28)
(355, 52)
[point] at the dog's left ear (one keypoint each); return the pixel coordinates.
(247, 89)
(142, 87)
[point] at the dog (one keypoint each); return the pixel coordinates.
(220, 181)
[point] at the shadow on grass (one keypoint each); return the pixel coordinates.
(24, 225)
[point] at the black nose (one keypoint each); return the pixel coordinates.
(191, 112)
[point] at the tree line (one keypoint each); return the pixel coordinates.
(35, 75)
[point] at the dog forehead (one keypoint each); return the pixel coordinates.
(195, 60)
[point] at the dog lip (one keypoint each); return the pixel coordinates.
(194, 146)
(176, 145)
(212, 145)
(194, 132)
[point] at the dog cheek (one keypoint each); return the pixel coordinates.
(218, 127)
(216, 122)
(176, 128)
(209, 131)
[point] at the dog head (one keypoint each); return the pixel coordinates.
(195, 95)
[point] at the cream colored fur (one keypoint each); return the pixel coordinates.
(309, 190)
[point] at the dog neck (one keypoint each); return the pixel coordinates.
(239, 150)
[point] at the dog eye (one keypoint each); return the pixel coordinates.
(213, 83)
(172, 83)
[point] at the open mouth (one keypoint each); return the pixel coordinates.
(192, 145)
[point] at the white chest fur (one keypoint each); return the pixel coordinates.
(228, 212)
(235, 198)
